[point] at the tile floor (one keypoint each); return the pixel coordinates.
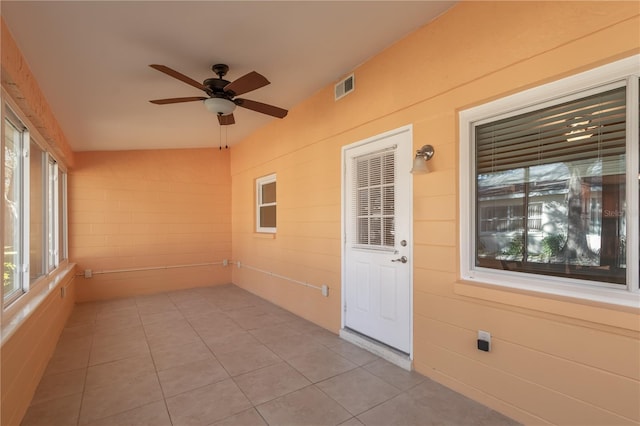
(222, 356)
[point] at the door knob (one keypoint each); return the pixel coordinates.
(403, 259)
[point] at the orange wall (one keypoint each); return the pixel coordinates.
(148, 209)
(26, 353)
(552, 361)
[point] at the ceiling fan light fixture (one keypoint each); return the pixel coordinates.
(220, 106)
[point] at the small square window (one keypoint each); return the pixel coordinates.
(266, 204)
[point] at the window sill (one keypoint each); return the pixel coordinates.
(265, 235)
(14, 315)
(621, 311)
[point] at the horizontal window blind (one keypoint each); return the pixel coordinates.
(587, 128)
(374, 202)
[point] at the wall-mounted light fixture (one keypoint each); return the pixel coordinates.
(423, 155)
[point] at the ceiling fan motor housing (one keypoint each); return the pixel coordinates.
(222, 94)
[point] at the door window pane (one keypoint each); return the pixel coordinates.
(374, 186)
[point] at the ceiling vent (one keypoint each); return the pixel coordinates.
(344, 87)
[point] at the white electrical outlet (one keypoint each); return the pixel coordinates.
(225, 262)
(484, 335)
(325, 290)
(88, 273)
(484, 341)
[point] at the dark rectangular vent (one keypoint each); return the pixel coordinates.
(344, 87)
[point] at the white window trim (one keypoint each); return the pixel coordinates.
(17, 309)
(617, 73)
(259, 183)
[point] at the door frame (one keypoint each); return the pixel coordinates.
(344, 216)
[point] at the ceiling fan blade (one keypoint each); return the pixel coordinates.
(260, 107)
(175, 74)
(246, 83)
(226, 120)
(177, 100)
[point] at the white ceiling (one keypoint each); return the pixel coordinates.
(91, 59)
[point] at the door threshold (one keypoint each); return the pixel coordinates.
(390, 354)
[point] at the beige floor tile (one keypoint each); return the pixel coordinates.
(176, 355)
(401, 410)
(60, 385)
(248, 417)
(321, 365)
(247, 359)
(60, 412)
(294, 345)
(117, 351)
(195, 308)
(118, 372)
(77, 344)
(110, 337)
(220, 331)
(154, 414)
(174, 340)
(129, 311)
(163, 336)
(230, 303)
(302, 325)
(167, 317)
(358, 390)
(447, 405)
(191, 376)
(117, 304)
(217, 354)
(241, 340)
(270, 382)
(354, 353)
(210, 319)
(248, 312)
(307, 406)
(67, 361)
(326, 338)
(77, 330)
(156, 307)
(394, 375)
(352, 422)
(117, 323)
(161, 330)
(273, 333)
(207, 404)
(81, 316)
(251, 323)
(107, 401)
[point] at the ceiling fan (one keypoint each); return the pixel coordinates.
(222, 93)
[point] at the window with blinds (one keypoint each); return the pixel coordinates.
(564, 165)
(374, 190)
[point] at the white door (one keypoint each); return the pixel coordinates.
(377, 228)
